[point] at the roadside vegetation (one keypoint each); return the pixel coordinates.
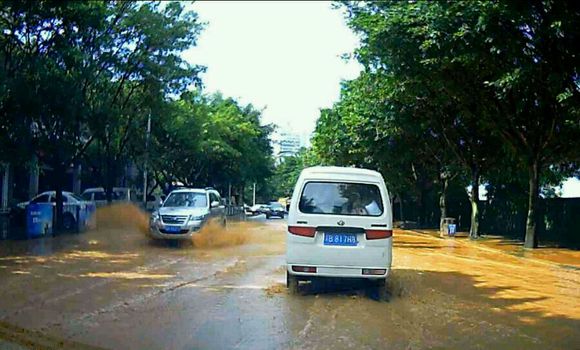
(80, 82)
(455, 95)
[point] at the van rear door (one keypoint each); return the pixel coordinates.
(340, 223)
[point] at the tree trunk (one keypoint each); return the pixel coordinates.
(243, 194)
(422, 208)
(59, 174)
(531, 240)
(109, 178)
(401, 217)
(474, 200)
(443, 203)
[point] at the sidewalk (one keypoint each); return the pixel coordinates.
(561, 256)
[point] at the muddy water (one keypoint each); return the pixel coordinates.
(212, 235)
(501, 298)
(116, 288)
(536, 285)
(446, 294)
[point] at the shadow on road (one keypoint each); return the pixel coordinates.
(450, 309)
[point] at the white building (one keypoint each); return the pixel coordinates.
(287, 144)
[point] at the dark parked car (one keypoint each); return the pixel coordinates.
(276, 209)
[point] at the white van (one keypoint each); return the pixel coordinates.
(339, 225)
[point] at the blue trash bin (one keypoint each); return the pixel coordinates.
(451, 229)
(39, 218)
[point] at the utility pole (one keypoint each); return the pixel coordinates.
(147, 136)
(254, 195)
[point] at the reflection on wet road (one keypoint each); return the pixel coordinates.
(115, 288)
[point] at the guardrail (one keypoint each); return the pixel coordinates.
(235, 213)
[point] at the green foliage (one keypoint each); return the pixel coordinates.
(79, 80)
(210, 141)
(467, 88)
(281, 183)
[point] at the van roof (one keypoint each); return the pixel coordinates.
(328, 172)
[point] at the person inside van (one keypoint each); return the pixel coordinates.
(357, 206)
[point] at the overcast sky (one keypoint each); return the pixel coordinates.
(280, 55)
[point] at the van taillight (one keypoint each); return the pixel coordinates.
(378, 234)
(307, 269)
(302, 231)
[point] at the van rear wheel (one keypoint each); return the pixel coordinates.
(383, 290)
(291, 283)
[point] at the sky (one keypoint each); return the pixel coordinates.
(281, 56)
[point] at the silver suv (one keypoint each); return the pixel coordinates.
(185, 212)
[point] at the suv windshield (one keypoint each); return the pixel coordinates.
(341, 198)
(186, 199)
(276, 206)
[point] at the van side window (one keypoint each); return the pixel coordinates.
(213, 197)
(341, 198)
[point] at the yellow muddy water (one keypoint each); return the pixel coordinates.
(447, 293)
(538, 285)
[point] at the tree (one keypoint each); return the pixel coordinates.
(47, 60)
(76, 72)
(146, 68)
(536, 86)
(374, 128)
(285, 175)
(204, 140)
(486, 68)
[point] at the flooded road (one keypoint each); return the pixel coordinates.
(114, 288)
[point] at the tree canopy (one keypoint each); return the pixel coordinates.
(80, 80)
(454, 88)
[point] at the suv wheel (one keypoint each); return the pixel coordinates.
(292, 283)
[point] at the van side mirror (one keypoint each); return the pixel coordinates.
(215, 204)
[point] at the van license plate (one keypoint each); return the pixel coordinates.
(172, 228)
(342, 239)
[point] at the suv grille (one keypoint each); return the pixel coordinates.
(173, 219)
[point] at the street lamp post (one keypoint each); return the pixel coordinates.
(254, 195)
(147, 136)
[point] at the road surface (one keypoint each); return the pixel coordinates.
(114, 288)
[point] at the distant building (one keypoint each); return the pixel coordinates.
(286, 144)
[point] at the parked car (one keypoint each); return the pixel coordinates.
(99, 197)
(70, 201)
(248, 210)
(185, 212)
(339, 225)
(259, 209)
(275, 209)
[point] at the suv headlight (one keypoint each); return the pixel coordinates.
(155, 217)
(196, 217)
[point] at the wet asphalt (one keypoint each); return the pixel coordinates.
(115, 288)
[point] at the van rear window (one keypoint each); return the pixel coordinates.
(341, 198)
